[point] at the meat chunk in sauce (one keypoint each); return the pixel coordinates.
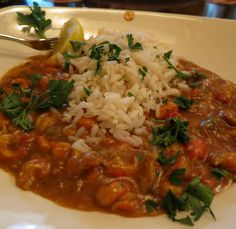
(33, 171)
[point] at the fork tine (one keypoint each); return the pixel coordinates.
(42, 44)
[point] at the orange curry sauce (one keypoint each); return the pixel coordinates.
(116, 177)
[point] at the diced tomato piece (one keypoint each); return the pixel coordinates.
(197, 150)
(24, 141)
(24, 138)
(195, 92)
(169, 110)
(86, 122)
(43, 84)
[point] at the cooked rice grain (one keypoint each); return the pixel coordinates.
(120, 95)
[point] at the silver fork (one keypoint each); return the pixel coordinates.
(41, 44)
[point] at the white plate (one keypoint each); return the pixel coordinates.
(211, 43)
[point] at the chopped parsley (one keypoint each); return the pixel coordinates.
(199, 75)
(97, 52)
(131, 45)
(143, 71)
(194, 202)
(167, 55)
(127, 59)
(183, 102)
(59, 91)
(130, 94)
(140, 157)
(35, 20)
(194, 84)
(162, 159)
(35, 78)
(68, 56)
(18, 110)
(151, 205)
(165, 101)
(196, 77)
(174, 130)
(114, 52)
(219, 173)
(179, 74)
(176, 176)
(76, 45)
(87, 91)
(1, 90)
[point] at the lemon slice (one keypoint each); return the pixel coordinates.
(72, 30)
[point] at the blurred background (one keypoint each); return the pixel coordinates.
(209, 8)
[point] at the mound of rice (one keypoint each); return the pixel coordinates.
(120, 95)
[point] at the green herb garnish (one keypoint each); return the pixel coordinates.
(1, 90)
(199, 75)
(35, 78)
(194, 202)
(179, 74)
(127, 59)
(19, 111)
(143, 72)
(165, 101)
(194, 84)
(219, 173)
(11, 105)
(97, 51)
(130, 94)
(162, 159)
(131, 45)
(176, 176)
(114, 52)
(59, 91)
(76, 45)
(151, 205)
(87, 91)
(36, 20)
(167, 55)
(174, 130)
(183, 102)
(139, 157)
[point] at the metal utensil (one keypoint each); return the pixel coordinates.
(41, 44)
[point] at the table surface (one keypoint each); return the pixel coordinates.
(209, 8)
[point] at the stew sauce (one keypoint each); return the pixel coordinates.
(116, 177)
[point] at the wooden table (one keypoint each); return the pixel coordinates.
(209, 8)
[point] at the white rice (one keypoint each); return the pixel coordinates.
(118, 114)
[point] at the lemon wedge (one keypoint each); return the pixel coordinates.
(72, 30)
